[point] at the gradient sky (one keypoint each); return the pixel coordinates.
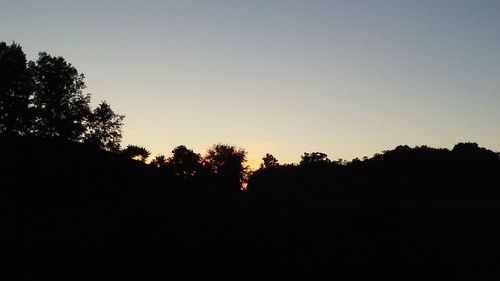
(348, 78)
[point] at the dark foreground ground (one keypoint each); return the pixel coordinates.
(71, 212)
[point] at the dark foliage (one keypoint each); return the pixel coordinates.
(136, 152)
(61, 106)
(399, 174)
(268, 161)
(226, 162)
(159, 162)
(104, 128)
(314, 158)
(46, 98)
(185, 163)
(16, 90)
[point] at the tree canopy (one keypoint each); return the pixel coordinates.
(104, 128)
(16, 91)
(46, 98)
(227, 162)
(184, 162)
(268, 161)
(61, 106)
(314, 158)
(136, 152)
(160, 161)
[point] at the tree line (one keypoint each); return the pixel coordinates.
(46, 98)
(222, 165)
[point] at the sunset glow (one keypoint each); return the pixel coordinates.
(348, 78)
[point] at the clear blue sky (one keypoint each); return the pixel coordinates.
(348, 78)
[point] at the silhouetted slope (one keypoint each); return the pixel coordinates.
(467, 172)
(77, 213)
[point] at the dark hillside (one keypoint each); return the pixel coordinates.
(422, 174)
(74, 212)
(71, 204)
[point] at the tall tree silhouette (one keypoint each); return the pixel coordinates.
(61, 106)
(46, 98)
(15, 90)
(228, 164)
(184, 162)
(104, 128)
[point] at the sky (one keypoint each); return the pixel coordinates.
(347, 78)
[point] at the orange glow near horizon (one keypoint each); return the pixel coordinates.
(253, 165)
(279, 77)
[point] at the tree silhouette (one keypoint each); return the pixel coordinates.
(136, 152)
(227, 163)
(160, 161)
(16, 86)
(104, 128)
(61, 106)
(473, 154)
(184, 162)
(46, 98)
(268, 161)
(314, 158)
